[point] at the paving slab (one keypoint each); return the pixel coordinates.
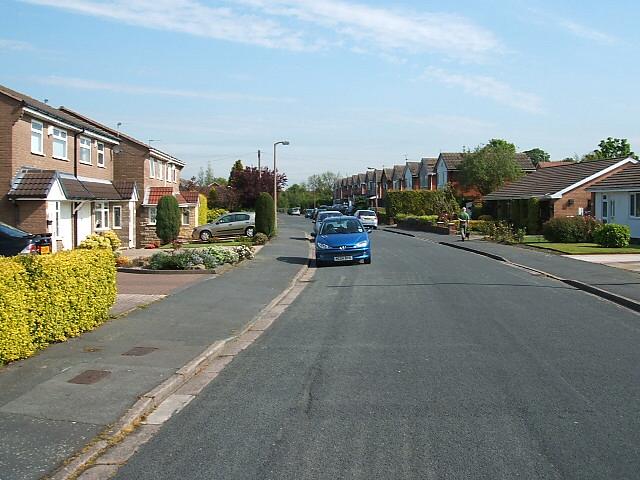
(48, 418)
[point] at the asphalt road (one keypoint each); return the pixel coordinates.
(430, 363)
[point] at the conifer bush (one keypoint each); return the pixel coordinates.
(168, 219)
(265, 216)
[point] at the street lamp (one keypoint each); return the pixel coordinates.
(275, 183)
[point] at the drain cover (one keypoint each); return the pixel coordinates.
(90, 376)
(139, 351)
(91, 349)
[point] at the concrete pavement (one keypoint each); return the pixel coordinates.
(52, 404)
(429, 363)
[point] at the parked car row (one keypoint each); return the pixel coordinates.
(340, 238)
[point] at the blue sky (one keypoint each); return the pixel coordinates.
(351, 85)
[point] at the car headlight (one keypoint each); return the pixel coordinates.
(322, 246)
(362, 244)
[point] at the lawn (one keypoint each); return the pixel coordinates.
(580, 248)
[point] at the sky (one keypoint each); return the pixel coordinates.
(351, 85)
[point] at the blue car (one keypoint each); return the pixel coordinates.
(341, 240)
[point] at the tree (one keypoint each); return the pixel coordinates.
(212, 197)
(237, 167)
(489, 167)
(249, 183)
(202, 210)
(322, 186)
(205, 177)
(611, 148)
(168, 219)
(537, 155)
(265, 215)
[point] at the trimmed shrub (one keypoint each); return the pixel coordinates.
(570, 229)
(265, 217)
(485, 218)
(194, 258)
(613, 235)
(50, 298)
(260, 239)
(421, 202)
(478, 225)
(203, 210)
(95, 241)
(215, 213)
(168, 219)
(502, 232)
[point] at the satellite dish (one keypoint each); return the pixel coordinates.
(117, 149)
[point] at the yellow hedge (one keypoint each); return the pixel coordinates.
(49, 298)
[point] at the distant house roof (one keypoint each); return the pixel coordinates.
(378, 175)
(191, 196)
(398, 171)
(154, 194)
(453, 161)
(41, 108)
(553, 164)
(627, 178)
(362, 178)
(414, 168)
(429, 164)
(553, 182)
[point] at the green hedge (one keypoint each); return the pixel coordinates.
(202, 210)
(421, 202)
(613, 235)
(50, 298)
(570, 229)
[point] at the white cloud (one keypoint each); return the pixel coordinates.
(587, 32)
(488, 87)
(260, 22)
(84, 84)
(14, 45)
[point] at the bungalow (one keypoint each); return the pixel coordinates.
(58, 171)
(617, 198)
(562, 191)
(426, 173)
(447, 171)
(411, 179)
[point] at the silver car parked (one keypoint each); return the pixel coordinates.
(321, 216)
(228, 225)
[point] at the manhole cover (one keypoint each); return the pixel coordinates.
(139, 351)
(91, 349)
(90, 376)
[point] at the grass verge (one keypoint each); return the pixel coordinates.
(582, 248)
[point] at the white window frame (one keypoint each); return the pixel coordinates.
(152, 168)
(83, 147)
(40, 133)
(103, 209)
(60, 136)
(152, 218)
(100, 158)
(182, 213)
(117, 225)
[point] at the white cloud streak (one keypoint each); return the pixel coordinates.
(85, 84)
(587, 32)
(15, 45)
(488, 87)
(261, 22)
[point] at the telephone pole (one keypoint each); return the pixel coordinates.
(259, 171)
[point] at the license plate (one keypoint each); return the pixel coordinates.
(45, 249)
(344, 258)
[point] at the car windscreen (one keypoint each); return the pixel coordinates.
(323, 215)
(9, 231)
(367, 213)
(333, 226)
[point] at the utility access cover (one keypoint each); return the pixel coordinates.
(139, 351)
(90, 376)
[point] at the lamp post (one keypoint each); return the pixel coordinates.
(275, 182)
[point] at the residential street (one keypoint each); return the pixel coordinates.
(429, 363)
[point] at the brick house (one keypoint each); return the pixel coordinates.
(563, 191)
(386, 181)
(447, 171)
(397, 178)
(57, 174)
(156, 174)
(411, 179)
(427, 174)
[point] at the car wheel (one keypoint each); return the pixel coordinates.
(367, 261)
(205, 235)
(249, 232)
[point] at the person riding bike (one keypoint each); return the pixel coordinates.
(464, 218)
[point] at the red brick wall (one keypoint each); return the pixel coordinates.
(32, 216)
(9, 113)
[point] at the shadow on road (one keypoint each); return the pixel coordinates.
(294, 260)
(451, 283)
(299, 238)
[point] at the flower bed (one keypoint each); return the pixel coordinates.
(206, 258)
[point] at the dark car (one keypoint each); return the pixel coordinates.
(14, 241)
(342, 239)
(308, 213)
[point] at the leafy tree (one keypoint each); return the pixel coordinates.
(248, 183)
(489, 167)
(202, 210)
(168, 219)
(611, 148)
(537, 155)
(212, 197)
(237, 167)
(265, 215)
(322, 186)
